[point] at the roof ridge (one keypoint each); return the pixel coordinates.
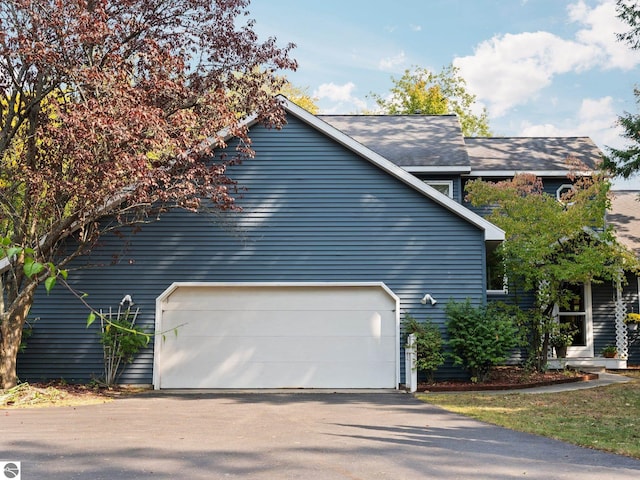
(527, 137)
(385, 115)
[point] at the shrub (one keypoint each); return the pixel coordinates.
(428, 345)
(121, 341)
(480, 337)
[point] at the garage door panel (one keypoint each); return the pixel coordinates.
(212, 350)
(276, 337)
(287, 375)
(285, 323)
(270, 299)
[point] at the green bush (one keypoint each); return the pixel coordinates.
(121, 341)
(428, 345)
(480, 337)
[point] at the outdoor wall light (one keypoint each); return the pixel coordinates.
(126, 299)
(428, 298)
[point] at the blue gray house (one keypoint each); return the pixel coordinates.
(347, 223)
(305, 287)
(452, 161)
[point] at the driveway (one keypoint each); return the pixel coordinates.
(325, 436)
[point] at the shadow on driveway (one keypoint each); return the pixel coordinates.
(208, 435)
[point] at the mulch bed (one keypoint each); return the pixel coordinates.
(59, 393)
(509, 378)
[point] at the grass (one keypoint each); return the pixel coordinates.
(604, 418)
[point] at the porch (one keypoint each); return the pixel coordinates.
(587, 363)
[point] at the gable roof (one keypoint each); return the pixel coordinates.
(544, 156)
(418, 143)
(491, 232)
(624, 215)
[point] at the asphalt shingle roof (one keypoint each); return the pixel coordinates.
(624, 215)
(407, 140)
(530, 154)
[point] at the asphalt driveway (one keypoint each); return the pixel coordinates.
(284, 435)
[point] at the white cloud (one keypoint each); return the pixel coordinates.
(510, 69)
(392, 63)
(602, 25)
(596, 118)
(342, 97)
(597, 115)
(507, 70)
(528, 129)
(415, 28)
(333, 92)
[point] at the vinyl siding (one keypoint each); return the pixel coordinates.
(603, 308)
(311, 211)
(604, 329)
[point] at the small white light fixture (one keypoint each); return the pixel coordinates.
(126, 299)
(428, 298)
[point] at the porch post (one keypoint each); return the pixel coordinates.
(622, 343)
(410, 369)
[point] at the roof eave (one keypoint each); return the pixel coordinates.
(458, 170)
(538, 173)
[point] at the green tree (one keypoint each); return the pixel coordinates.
(421, 91)
(114, 108)
(551, 244)
(625, 162)
(300, 96)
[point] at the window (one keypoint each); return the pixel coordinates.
(577, 313)
(563, 190)
(443, 186)
(574, 314)
(496, 277)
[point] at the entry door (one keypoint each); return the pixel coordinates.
(579, 315)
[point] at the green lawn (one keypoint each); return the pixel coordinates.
(605, 418)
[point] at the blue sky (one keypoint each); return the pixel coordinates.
(540, 67)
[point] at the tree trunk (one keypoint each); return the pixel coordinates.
(11, 325)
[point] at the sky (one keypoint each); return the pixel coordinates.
(540, 67)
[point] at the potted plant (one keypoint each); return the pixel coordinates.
(609, 351)
(561, 337)
(632, 320)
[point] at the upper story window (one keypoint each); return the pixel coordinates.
(443, 186)
(563, 190)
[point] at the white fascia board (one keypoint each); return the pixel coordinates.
(491, 232)
(437, 169)
(537, 173)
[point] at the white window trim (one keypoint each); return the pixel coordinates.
(587, 350)
(504, 291)
(562, 188)
(448, 183)
(505, 283)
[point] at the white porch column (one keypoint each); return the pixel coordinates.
(622, 342)
(410, 364)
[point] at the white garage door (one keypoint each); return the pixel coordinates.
(277, 336)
